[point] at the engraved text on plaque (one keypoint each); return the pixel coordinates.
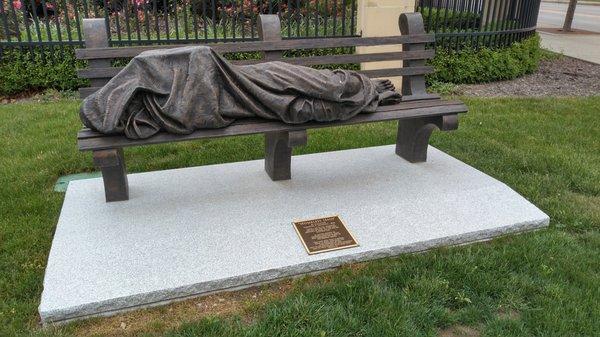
(324, 234)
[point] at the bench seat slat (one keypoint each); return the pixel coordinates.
(88, 133)
(312, 43)
(111, 142)
(303, 61)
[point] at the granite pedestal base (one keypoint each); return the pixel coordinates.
(191, 231)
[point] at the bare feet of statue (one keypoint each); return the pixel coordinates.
(389, 97)
(387, 92)
(383, 85)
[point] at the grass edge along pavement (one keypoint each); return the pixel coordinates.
(541, 283)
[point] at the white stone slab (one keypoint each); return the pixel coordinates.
(194, 230)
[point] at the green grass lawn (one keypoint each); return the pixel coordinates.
(544, 283)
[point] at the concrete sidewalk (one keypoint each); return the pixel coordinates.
(584, 47)
(578, 45)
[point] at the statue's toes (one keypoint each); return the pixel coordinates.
(389, 97)
(390, 88)
(383, 82)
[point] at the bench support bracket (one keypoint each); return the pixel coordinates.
(413, 135)
(278, 152)
(114, 173)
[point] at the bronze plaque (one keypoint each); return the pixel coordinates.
(324, 234)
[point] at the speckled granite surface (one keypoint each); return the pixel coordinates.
(230, 226)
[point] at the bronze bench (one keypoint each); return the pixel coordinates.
(418, 114)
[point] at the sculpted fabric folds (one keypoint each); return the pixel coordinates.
(184, 89)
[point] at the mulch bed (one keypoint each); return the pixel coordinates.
(563, 76)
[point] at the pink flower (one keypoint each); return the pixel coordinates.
(17, 4)
(139, 3)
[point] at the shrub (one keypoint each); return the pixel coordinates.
(25, 70)
(486, 65)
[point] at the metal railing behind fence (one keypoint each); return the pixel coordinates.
(478, 23)
(52, 23)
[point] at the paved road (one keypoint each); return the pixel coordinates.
(552, 15)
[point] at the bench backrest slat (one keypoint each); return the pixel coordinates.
(376, 73)
(303, 61)
(253, 46)
(271, 48)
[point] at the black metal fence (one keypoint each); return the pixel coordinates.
(477, 23)
(29, 24)
(52, 23)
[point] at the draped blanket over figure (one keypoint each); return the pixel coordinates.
(184, 89)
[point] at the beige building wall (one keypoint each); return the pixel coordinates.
(380, 18)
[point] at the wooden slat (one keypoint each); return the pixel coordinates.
(99, 72)
(88, 133)
(359, 58)
(430, 103)
(127, 52)
(305, 61)
(109, 142)
(410, 71)
(85, 92)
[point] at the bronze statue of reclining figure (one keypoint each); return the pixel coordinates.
(184, 89)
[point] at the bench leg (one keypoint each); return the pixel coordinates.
(278, 152)
(413, 135)
(114, 174)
